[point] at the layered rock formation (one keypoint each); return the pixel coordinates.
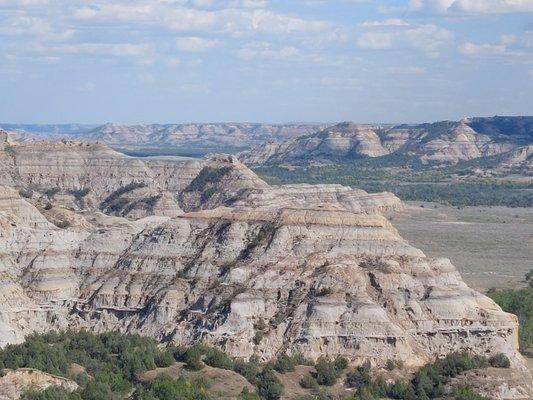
(216, 135)
(245, 266)
(441, 143)
(13, 384)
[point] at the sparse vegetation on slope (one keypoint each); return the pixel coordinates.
(110, 203)
(110, 366)
(207, 176)
(520, 303)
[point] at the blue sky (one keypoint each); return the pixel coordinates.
(139, 61)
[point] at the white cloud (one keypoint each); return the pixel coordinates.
(474, 6)
(387, 22)
(195, 44)
(110, 49)
(250, 3)
(266, 51)
(376, 40)
(472, 49)
(243, 21)
(424, 37)
(25, 25)
(492, 6)
(503, 47)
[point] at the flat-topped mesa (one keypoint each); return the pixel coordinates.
(321, 196)
(294, 216)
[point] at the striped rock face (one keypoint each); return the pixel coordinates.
(203, 250)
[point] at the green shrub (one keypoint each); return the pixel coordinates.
(269, 386)
(341, 363)
(499, 360)
(166, 388)
(468, 394)
(218, 359)
(308, 382)
(96, 390)
(258, 337)
(326, 372)
(529, 278)
(520, 303)
(401, 390)
(360, 376)
(50, 393)
(164, 359)
(429, 380)
(250, 370)
(284, 364)
(112, 360)
(247, 395)
(193, 359)
(26, 193)
(50, 193)
(208, 193)
(63, 224)
(79, 193)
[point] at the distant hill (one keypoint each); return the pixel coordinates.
(194, 138)
(48, 130)
(440, 143)
(202, 138)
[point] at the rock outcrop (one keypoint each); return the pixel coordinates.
(13, 384)
(227, 259)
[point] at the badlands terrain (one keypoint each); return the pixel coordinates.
(168, 138)
(203, 250)
(185, 250)
(503, 142)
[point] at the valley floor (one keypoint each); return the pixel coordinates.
(491, 246)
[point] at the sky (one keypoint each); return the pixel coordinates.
(175, 61)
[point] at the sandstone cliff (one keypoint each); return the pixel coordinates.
(222, 257)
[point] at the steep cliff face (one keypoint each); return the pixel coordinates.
(250, 268)
(71, 165)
